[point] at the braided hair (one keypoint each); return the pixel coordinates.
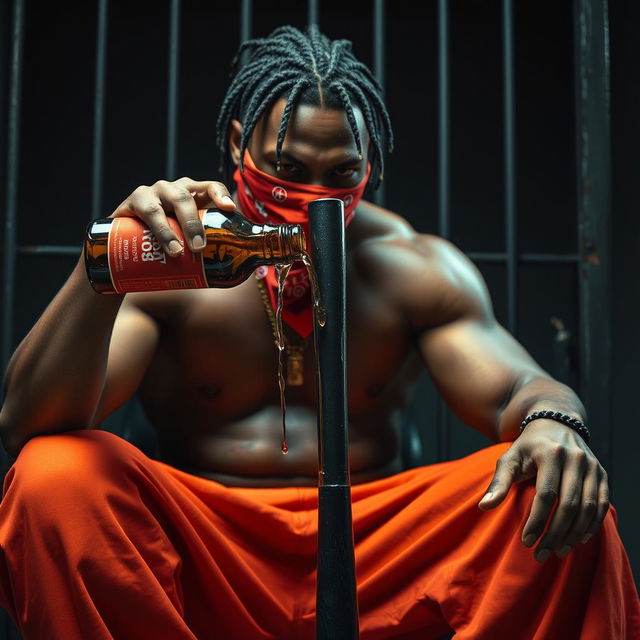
(312, 70)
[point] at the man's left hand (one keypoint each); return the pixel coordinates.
(567, 472)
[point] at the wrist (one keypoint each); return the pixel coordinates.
(536, 393)
(552, 404)
(570, 421)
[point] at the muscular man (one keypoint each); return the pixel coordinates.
(216, 538)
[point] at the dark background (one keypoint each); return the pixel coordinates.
(56, 133)
(625, 110)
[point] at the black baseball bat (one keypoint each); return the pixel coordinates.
(336, 596)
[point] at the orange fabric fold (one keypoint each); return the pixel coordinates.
(99, 541)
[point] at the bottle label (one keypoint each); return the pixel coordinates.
(138, 262)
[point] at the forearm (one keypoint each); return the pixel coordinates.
(55, 376)
(536, 393)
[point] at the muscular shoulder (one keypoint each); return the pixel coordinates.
(429, 278)
(374, 222)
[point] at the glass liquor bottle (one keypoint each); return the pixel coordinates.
(122, 254)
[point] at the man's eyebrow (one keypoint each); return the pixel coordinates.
(287, 156)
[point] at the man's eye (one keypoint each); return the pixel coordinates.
(343, 173)
(289, 168)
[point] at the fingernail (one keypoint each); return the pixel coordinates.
(587, 537)
(541, 556)
(198, 242)
(564, 551)
(175, 247)
(228, 200)
(487, 497)
(530, 539)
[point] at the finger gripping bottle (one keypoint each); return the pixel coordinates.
(122, 254)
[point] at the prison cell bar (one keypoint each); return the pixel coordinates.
(312, 12)
(508, 93)
(443, 423)
(379, 59)
(98, 110)
(172, 93)
(13, 140)
(593, 159)
(246, 20)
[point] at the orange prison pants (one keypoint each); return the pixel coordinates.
(99, 541)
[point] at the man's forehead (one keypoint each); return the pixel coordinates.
(310, 126)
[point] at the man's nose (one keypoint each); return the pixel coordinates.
(318, 180)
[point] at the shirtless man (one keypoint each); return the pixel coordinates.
(204, 360)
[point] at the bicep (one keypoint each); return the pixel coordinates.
(133, 343)
(474, 365)
(474, 361)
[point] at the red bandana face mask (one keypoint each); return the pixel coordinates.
(265, 198)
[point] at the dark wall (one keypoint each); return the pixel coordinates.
(54, 192)
(625, 123)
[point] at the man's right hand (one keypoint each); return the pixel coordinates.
(181, 197)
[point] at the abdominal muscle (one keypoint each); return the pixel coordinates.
(248, 452)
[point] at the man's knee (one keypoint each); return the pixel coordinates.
(75, 460)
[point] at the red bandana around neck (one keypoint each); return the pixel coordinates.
(264, 198)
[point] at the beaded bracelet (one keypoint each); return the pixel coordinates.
(574, 423)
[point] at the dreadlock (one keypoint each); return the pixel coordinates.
(313, 70)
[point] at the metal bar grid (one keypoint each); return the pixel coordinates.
(592, 74)
(593, 169)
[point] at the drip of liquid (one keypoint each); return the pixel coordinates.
(281, 270)
(319, 316)
(319, 312)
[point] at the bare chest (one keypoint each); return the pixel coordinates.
(217, 363)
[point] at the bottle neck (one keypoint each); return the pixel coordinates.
(286, 241)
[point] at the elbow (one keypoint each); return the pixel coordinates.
(14, 434)
(7, 436)
(11, 447)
